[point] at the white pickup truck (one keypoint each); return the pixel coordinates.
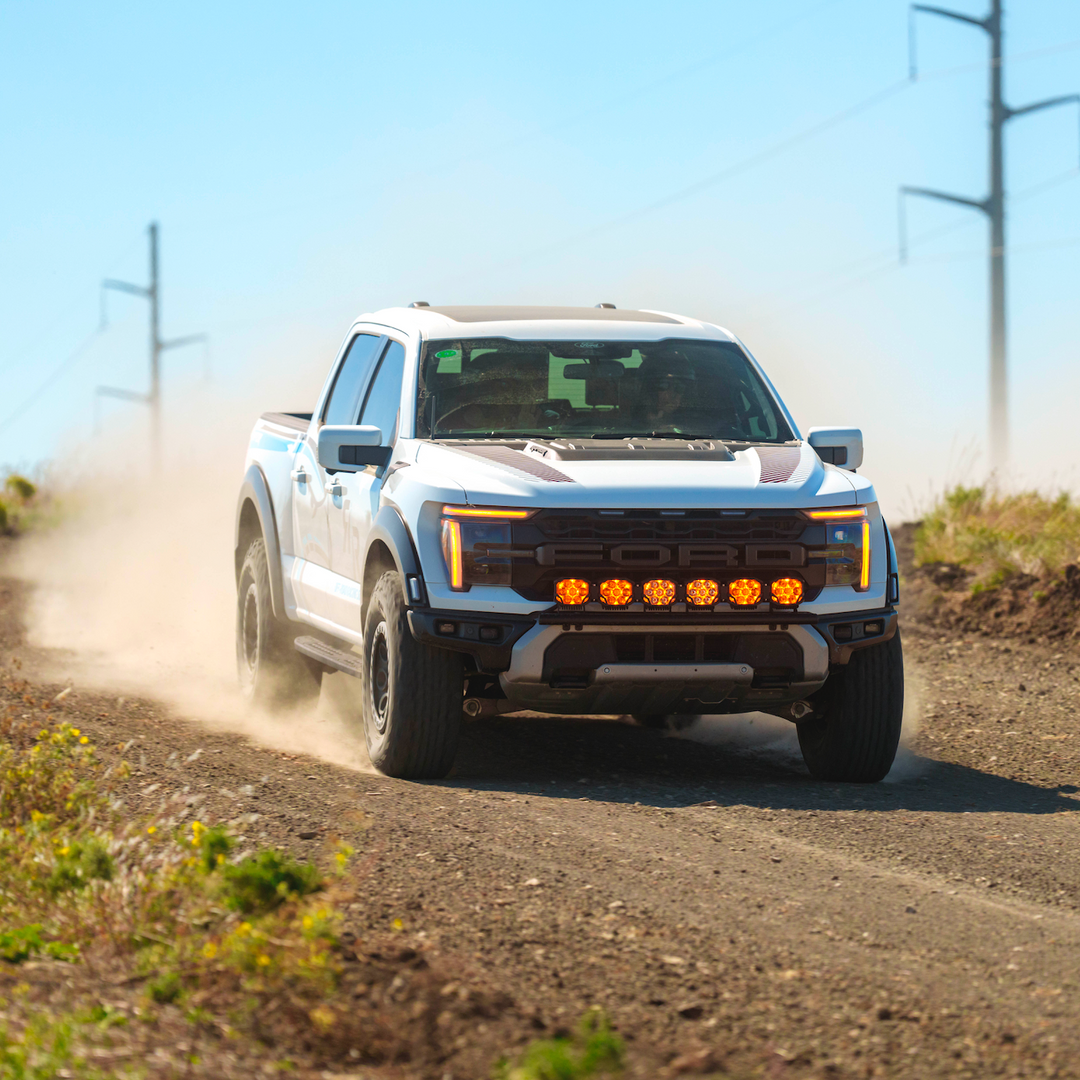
(566, 510)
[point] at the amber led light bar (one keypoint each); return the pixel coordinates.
(616, 592)
(490, 513)
(702, 592)
(843, 513)
(571, 591)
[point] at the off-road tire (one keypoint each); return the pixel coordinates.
(664, 721)
(412, 693)
(271, 672)
(854, 733)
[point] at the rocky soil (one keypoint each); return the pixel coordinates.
(731, 915)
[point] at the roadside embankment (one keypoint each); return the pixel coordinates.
(1005, 565)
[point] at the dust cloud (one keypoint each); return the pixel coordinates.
(134, 590)
(776, 739)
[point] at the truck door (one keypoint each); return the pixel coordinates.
(355, 501)
(313, 579)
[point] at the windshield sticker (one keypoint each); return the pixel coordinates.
(444, 354)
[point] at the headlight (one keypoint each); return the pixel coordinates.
(476, 544)
(846, 553)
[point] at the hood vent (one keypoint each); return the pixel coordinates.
(506, 457)
(782, 464)
(628, 450)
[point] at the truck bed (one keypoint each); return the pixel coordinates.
(294, 421)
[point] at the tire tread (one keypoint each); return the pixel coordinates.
(855, 740)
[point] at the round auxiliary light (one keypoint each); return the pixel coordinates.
(616, 592)
(659, 592)
(703, 592)
(787, 591)
(571, 591)
(745, 592)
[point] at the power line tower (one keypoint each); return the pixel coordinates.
(151, 292)
(993, 206)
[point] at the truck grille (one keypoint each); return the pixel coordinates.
(714, 525)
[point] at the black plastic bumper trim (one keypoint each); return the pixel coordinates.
(467, 631)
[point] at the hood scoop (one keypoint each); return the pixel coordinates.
(628, 450)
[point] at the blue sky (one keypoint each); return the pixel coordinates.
(307, 163)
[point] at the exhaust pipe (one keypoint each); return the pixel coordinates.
(475, 707)
(800, 709)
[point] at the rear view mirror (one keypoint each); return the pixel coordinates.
(842, 446)
(348, 448)
(598, 369)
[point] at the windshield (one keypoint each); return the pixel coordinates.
(498, 388)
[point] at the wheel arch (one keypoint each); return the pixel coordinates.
(254, 518)
(389, 547)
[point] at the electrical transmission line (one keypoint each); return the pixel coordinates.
(151, 292)
(993, 206)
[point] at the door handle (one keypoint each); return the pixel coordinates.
(334, 488)
(299, 475)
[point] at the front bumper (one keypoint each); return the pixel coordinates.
(670, 662)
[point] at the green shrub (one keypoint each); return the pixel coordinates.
(214, 846)
(264, 881)
(54, 777)
(165, 989)
(594, 1051)
(79, 863)
(25, 942)
(23, 489)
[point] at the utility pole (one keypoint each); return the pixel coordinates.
(151, 292)
(994, 208)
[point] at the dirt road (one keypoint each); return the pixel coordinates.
(725, 909)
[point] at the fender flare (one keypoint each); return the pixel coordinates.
(255, 490)
(892, 580)
(389, 527)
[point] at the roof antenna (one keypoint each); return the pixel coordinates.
(419, 303)
(611, 306)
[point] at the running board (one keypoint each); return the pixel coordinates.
(328, 656)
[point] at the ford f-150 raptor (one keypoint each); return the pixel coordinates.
(568, 510)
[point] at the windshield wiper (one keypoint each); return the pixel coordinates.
(647, 435)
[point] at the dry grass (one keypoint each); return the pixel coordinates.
(998, 535)
(150, 903)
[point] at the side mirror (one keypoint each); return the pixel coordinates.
(837, 445)
(345, 448)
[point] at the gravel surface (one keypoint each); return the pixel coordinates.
(726, 910)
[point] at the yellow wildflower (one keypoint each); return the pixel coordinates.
(75, 731)
(263, 960)
(151, 830)
(209, 950)
(84, 740)
(398, 924)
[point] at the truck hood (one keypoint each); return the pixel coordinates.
(539, 475)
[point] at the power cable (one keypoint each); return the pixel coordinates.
(889, 254)
(65, 366)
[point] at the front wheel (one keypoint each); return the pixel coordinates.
(271, 672)
(853, 737)
(412, 693)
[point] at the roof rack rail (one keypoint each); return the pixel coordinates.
(612, 306)
(424, 303)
